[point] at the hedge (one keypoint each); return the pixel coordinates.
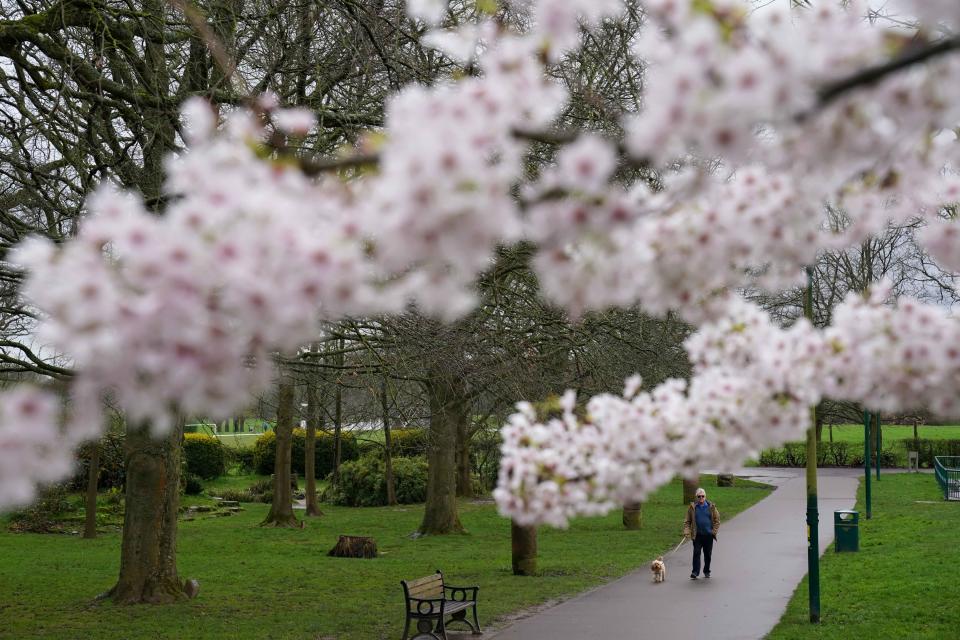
(203, 455)
(363, 482)
(829, 454)
(265, 451)
(928, 449)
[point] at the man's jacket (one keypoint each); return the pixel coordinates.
(690, 523)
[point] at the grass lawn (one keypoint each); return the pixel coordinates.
(278, 583)
(903, 581)
(853, 433)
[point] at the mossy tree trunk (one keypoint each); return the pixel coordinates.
(148, 550)
(387, 446)
(281, 509)
(90, 507)
(690, 489)
(310, 452)
(448, 410)
(523, 549)
(464, 485)
(338, 418)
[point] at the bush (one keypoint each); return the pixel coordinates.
(235, 494)
(363, 482)
(192, 484)
(407, 443)
(204, 455)
(265, 451)
(245, 459)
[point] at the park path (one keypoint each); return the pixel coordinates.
(758, 560)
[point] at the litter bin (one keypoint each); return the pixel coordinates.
(846, 530)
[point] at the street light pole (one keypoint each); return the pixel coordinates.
(866, 459)
(813, 517)
(876, 422)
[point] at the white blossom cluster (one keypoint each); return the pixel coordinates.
(182, 313)
(747, 373)
(31, 450)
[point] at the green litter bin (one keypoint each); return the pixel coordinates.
(846, 530)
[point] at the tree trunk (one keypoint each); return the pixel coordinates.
(387, 446)
(464, 485)
(281, 510)
(447, 411)
(831, 432)
(633, 516)
(310, 452)
(93, 476)
(690, 489)
(819, 428)
(148, 551)
(523, 544)
(337, 419)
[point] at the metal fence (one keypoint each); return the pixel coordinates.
(947, 470)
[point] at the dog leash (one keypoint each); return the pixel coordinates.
(682, 540)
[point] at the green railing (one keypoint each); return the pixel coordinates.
(947, 470)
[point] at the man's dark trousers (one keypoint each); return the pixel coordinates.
(702, 541)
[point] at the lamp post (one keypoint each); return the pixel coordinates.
(813, 517)
(866, 459)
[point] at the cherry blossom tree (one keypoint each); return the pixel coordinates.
(755, 122)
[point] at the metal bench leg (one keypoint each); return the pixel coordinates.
(476, 628)
(406, 628)
(441, 628)
(461, 616)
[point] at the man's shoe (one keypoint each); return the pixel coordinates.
(693, 576)
(706, 574)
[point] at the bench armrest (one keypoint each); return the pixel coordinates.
(425, 606)
(460, 594)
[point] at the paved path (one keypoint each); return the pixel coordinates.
(758, 560)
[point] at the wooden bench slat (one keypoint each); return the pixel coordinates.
(451, 606)
(427, 591)
(411, 584)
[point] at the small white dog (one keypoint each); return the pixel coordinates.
(659, 570)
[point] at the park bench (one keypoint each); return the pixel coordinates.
(433, 605)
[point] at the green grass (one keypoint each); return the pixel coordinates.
(269, 583)
(903, 581)
(853, 433)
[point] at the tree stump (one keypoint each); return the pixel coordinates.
(523, 549)
(633, 516)
(354, 547)
(725, 480)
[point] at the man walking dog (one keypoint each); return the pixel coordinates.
(701, 526)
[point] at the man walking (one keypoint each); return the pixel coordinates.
(701, 526)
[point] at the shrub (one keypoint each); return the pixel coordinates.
(265, 451)
(235, 494)
(245, 459)
(204, 455)
(407, 443)
(363, 482)
(192, 484)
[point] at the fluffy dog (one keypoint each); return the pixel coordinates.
(659, 570)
